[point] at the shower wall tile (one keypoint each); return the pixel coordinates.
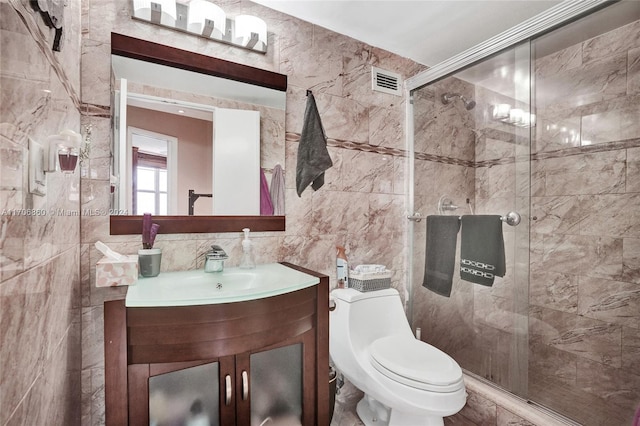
(556, 215)
(613, 214)
(495, 205)
(613, 42)
(631, 260)
(488, 148)
(633, 71)
(594, 256)
(581, 174)
(610, 126)
(446, 322)
(434, 180)
(558, 62)
(496, 182)
(615, 302)
(616, 386)
(496, 347)
(445, 130)
(633, 170)
(631, 349)
(492, 311)
(554, 290)
(556, 130)
(595, 81)
(579, 405)
(546, 361)
(587, 338)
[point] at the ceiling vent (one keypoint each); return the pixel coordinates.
(386, 81)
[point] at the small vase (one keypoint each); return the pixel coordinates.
(149, 262)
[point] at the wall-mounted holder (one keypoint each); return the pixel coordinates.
(62, 149)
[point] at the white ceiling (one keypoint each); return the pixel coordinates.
(427, 31)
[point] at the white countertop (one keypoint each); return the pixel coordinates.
(188, 288)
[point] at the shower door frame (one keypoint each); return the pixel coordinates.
(544, 22)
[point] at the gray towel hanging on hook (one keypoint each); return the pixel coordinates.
(313, 156)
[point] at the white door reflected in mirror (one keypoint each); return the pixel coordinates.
(247, 136)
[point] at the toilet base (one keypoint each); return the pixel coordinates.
(374, 413)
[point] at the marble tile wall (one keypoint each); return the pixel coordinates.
(40, 235)
(585, 283)
(361, 205)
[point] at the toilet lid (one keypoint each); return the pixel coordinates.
(415, 363)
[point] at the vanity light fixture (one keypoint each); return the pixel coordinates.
(205, 19)
(251, 30)
(514, 116)
(161, 12)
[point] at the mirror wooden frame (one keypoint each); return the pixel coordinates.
(166, 55)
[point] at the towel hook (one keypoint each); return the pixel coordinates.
(309, 92)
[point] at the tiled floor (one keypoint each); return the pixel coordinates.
(344, 413)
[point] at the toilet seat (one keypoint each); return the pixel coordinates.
(414, 363)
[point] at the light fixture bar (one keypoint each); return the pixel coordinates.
(208, 28)
(204, 19)
(156, 13)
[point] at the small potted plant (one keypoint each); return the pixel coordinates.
(148, 257)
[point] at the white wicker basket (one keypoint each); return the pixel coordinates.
(370, 281)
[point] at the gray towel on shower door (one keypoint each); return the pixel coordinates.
(442, 234)
(313, 156)
(481, 249)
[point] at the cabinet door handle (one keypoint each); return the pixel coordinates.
(245, 385)
(227, 399)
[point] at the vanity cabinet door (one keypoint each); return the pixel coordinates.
(187, 397)
(274, 387)
(189, 394)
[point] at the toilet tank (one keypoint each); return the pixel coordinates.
(370, 315)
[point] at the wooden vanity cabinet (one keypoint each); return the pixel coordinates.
(234, 345)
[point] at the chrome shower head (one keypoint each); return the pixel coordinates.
(469, 104)
(447, 98)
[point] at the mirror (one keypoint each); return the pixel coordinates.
(170, 151)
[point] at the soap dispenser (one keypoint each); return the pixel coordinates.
(247, 261)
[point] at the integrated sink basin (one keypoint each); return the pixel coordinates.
(187, 288)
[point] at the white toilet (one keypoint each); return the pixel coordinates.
(405, 381)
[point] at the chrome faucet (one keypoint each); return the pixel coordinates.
(214, 261)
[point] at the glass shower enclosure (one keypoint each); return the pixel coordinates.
(550, 128)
